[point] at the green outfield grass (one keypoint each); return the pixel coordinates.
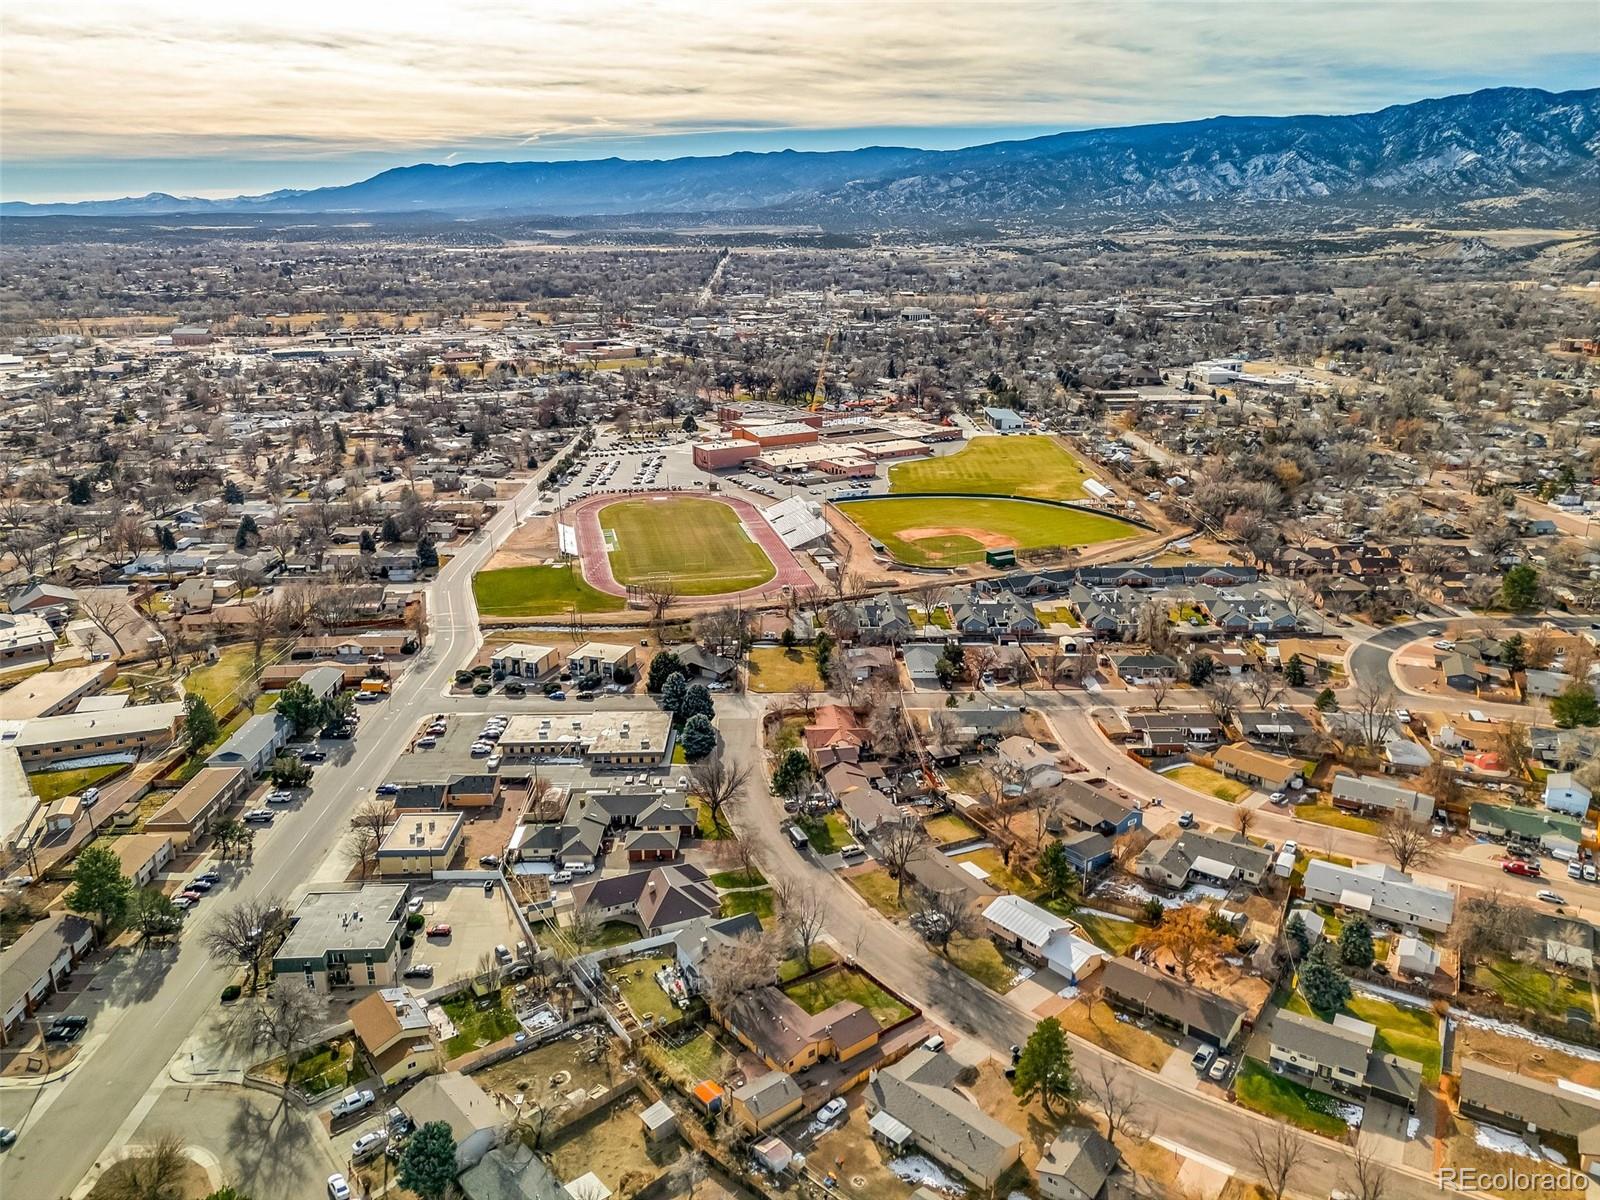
(538, 592)
(1011, 466)
(699, 544)
(949, 531)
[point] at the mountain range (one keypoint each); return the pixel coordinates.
(1497, 142)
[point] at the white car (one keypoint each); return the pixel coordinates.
(1278, 797)
(831, 1111)
(280, 797)
(1444, 644)
(561, 877)
(482, 748)
(493, 764)
(353, 1103)
(338, 1188)
(1551, 897)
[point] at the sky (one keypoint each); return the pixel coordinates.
(101, 98)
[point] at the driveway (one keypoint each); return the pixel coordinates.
(1383, 1130)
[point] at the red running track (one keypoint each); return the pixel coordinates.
(584, 516)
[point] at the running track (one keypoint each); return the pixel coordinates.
(584, 516)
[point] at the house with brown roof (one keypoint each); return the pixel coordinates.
(394, 1030)
(1136, 987)
(790, 1039)
(192, 808)
(1258, 768)
(834, 735)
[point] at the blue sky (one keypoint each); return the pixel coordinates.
(102, 98)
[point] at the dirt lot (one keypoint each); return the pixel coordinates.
(1517, 1054)
(613, 1146)
(551, 1073)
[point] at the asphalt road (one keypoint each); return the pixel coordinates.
(102, 1104)
(1209, 1126)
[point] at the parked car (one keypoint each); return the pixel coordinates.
(1550, 897)
(1186, 820)
(418, 971)
(1515, 866)
(258, 816)
(8, 1137)
(831, 1111)
(488, 860)
(583, 869)
(313, 756)
(1219, 1070)
(338, 1187)
(853, 850)
(1202, 1058)
(368, 1145)
(492, 763)
(211, 877)
(439, 930)
(502, 953)
(427, 742)
(353, 1103)
(388, 789)
(558, 694)
(399, 1124)
(1574, 870)
(279, 796)
(561, 877)
(199, 885)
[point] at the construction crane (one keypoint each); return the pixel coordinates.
(818, 395)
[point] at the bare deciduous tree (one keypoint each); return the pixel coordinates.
(802, 913)
(718, 782)
(1158, 687)
(1366, 1178)
(1113, 1091)
(1277, 1155)
(286, 1017)
(1407, 841)
(734, 972)
(900, 845)
(106, 612)
(154, 1173)
(244, 935)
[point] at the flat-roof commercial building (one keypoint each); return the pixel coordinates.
(186, 817)
(777, 433)
(52, 693)
(347, 937)
(721, 455)
(604, 739)
(420, 843)
(141, 729)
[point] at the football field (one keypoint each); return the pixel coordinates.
(949, 531)
(1006, 466)
(698, 544)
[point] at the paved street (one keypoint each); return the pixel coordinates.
(949, 996)
(142, 1028)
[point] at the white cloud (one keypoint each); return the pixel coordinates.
(294, 78)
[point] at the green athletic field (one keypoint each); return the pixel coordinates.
(538, 592)
(698, 544)
(949, 531)
(1007, 466)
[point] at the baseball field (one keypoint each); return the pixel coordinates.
(698, 544)
(948, 531)
(1007, 466)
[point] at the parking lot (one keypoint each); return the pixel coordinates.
(478, 923)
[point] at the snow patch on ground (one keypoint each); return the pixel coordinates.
(1502, 1142)
(1554, 1156)
(1506, 1029)
(1135, 893)
(1070, 992)
(1350, 1114)
(1413, 1126)
(1107, 916)
(917, 1171)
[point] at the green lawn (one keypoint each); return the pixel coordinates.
(699, 543)
(1523, 986)
(948, 828)
(979, 958)
(941, 532)
(821, 955)
(1405, 1032)
(774, 669)
(700, 1058)
(1327, 814)
(612, 933)
(1204, 779)
(1002, 876)
(636, 979)
(753, 900)
(878, 890)
(1256, 1087)
(52, 785)
(708, 830)
(739, 879)
(220, 683)
(538, 592)
(1111, 935)
(327, 1067)
(844, 983)
(477, 1027)
(1010, 466)
(828, 834)
(787, 735)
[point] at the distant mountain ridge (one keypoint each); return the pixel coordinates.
(1502, 141)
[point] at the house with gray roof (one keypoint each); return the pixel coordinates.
(254, 744)
(1337, 1057)
(1531, 1106)
(1176, 862)
(1365, 794)
(1078, 1165)
(1380, 892)
(915, 1103)
(1138, 988)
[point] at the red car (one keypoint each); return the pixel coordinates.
(440, 930)
(1515, 866)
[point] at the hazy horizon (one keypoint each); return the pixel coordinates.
(99, 103)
